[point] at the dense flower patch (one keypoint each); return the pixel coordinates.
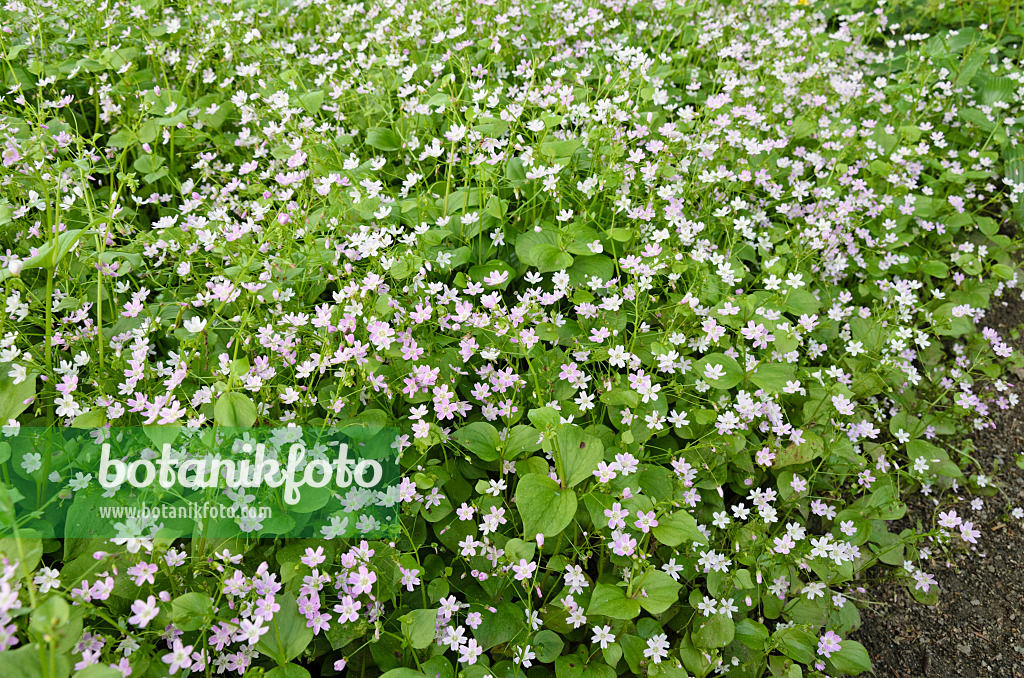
(671, 304)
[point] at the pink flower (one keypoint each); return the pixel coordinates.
(180, 657)
(145, 611)
(524, 570)
(828, 644)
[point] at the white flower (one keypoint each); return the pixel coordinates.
(47, 579)
(672, 569)
(18, 373)
(708, 607)
(67, 407)
(80, 481)
(726, 607)
(524, 656)
(495, 278)
(657, 648)
(195, 325)
(603, 635)
(617, 356)
(713, 372)
(32, 462)
(814, 590)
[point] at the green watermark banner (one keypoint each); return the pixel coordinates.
(174, 482)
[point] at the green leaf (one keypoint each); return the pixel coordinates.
(550, 258)
(598, 670)
(189, 611)
(521, 439)
(312, 101)
(516, 548)
(578, 453)
(621, 397)
(494, 274)
(752, 633)
(480, 438)
(515, 172)
(676, 528)
(529, 243)
(1002, 271)
(910, 132)
(49, 256)
(612, 654)
(730, 370)
(404, 266)
(852, 658)
(544, 417)
(570, 666)
(810, 448)
(937, 458)
(234, 410)
(544, 506)
(772, 377)
(718, 631)
(633, 650)
(98, 671)
(586, 267)
(13, 396)
(52, 614)
(382, 139)
(90, 419)
(560, 149)
(548, 646)
(420, 626)
(879, 168)
(997, 88)
(27, 553)
(147, 163)
(783, 667)
(611, 601)
(147, 134)
(797, 644)
(499, 627)
(24, 663)
(662, 592)
(801, 302)
(288, 635)
(803, 127)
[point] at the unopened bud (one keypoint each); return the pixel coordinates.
(14, 266)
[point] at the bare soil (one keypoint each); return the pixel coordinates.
(977, 628)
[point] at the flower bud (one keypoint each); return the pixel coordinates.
(14, 266)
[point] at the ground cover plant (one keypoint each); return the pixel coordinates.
(669, 305)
